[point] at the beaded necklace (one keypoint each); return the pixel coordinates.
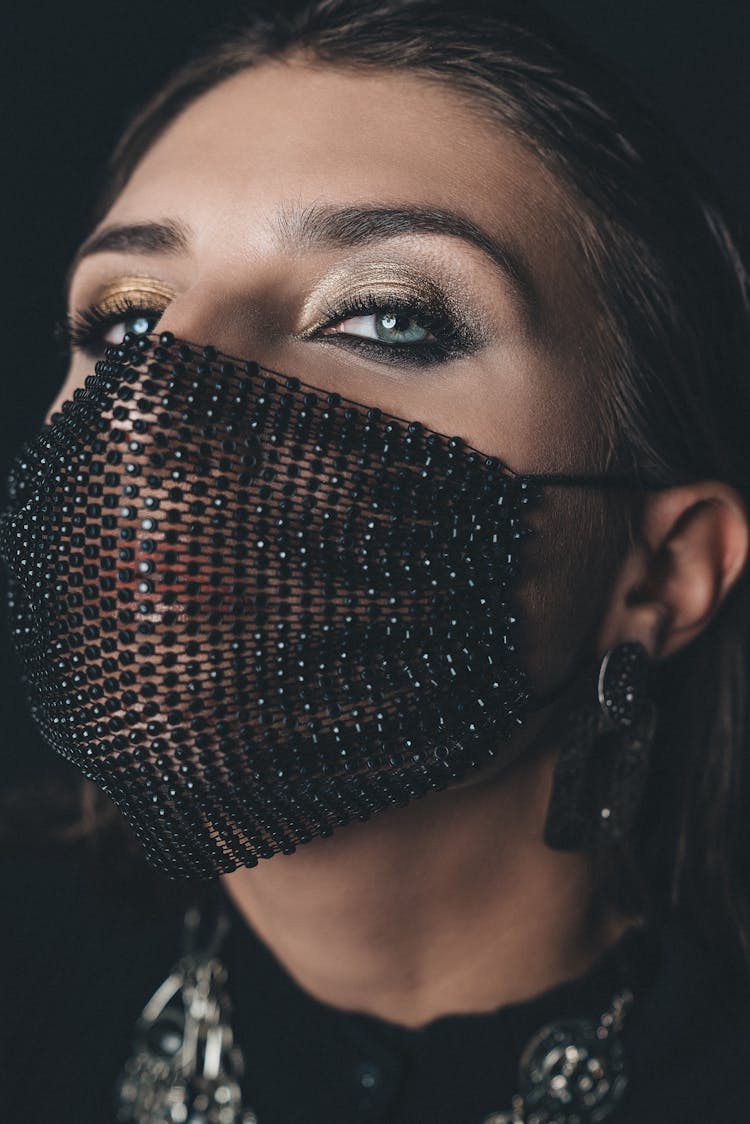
(186, 1067)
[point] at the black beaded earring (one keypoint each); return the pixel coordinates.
(603, 763)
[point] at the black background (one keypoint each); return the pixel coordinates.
(75, 72)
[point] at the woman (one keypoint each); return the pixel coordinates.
(265, 600)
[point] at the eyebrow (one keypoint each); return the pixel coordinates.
(167, 237)
(326, 225)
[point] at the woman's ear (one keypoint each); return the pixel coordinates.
(690, 550)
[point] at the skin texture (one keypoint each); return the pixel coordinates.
(453, 904)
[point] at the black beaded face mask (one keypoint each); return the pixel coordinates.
(251, 610)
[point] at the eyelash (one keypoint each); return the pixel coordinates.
(83, 330)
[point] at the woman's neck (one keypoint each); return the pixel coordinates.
(452, 905)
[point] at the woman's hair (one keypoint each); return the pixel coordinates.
(674, 402)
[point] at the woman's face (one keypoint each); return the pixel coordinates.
(376, 235)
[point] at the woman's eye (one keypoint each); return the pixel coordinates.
(137, 323)
(386, 327)
(92, 329)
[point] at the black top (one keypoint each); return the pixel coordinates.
(81, 956)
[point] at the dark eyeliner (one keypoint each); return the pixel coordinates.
(84, 328)
(451, 338)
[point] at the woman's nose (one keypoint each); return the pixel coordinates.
(239, 310)
(206, 316)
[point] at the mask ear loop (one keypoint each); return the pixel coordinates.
(139, 348)
(135, 348)
(612, 482)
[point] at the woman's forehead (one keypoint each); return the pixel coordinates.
(303, 134)
(262, 167)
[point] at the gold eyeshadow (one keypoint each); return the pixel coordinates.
(381, 280)
(146, 290)
(351, 290)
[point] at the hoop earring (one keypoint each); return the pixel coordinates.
(602, 766)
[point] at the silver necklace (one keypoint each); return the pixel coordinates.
(186, 1067)
(571, 1072)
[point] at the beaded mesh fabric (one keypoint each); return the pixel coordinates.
(251, 610)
